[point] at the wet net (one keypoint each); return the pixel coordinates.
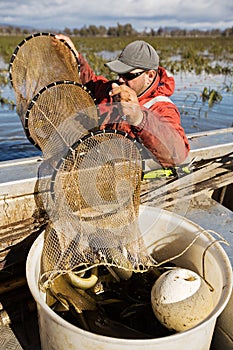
(89, 180)
(59, 115)
(93, 204)
(37, 61)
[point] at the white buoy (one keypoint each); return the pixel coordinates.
(181, 299)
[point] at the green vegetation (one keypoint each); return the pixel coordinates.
(211, 95)
(197, 54)
(4, 80)
(213, 55)
(8, 45)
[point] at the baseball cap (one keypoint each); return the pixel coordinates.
(138, 54)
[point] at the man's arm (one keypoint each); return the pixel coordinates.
(159, 131)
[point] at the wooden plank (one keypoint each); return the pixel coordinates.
(208, 176)
(186, 194)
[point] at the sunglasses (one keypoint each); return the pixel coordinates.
(130, 76)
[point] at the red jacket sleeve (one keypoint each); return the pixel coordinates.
(97, 84)
(86, 72)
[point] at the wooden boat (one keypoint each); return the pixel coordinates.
(204, 195)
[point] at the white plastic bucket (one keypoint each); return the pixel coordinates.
(168, 234)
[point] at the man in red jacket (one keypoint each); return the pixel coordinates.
(143, 89)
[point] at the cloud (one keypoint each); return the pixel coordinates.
(140, 13)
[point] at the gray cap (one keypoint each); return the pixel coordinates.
(138, 54)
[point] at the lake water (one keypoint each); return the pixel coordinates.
(195, 115)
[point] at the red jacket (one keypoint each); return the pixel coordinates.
(160, 130)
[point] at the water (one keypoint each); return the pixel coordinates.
(195, 115)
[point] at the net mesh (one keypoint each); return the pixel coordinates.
(93, 208)
(89, 180)
(58, 115)
(39, 60)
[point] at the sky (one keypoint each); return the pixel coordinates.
(142, 14)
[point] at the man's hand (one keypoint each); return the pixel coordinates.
(129, 103)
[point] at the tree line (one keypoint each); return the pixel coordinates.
(120, 31)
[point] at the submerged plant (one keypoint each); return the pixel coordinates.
(4, 80)
(210, 95)
(6, 102)
(228, 87)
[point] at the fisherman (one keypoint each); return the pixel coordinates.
(143, 89)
